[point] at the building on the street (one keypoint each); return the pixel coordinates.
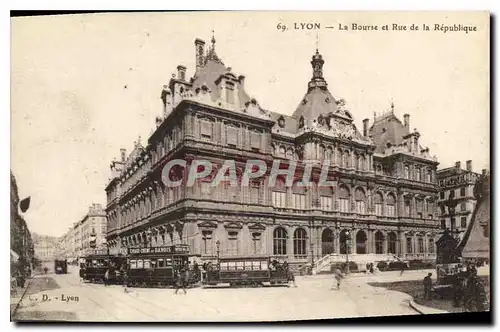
(461, 181)
(45, 247)
(383, 200)
(86, 235)
(21, 244)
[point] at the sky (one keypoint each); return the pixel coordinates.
(84, 86)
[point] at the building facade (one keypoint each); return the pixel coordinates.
(461, 182)
(382, 200)
(46, 247)
(22, 254)
(85, 235)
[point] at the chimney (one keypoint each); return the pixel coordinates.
(458, 165)
(241, 78)
(181, 73)
(199, 50)
(406, 118)
(365, 127)
(123, 153)
(469, 165)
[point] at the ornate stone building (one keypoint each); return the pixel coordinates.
(384, 197)
(461, 182)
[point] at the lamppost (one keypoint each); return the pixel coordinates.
(218, 249)
(347, 247)
(451, 204)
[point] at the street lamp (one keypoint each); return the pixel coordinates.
(218, 249)
(347, 246)
(451, 204)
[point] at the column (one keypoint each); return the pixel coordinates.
(352, 232)
(385, 244)
(337, 241)
(402, 245)
(289, 242)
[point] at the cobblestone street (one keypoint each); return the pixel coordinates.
(312, 299)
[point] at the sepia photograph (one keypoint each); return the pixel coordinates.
(259, 166)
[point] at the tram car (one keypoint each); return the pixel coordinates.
(159, 266)
(245, 271)
(60, 266)
(93, 267)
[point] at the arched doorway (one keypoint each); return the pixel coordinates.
(344, 235)
(361, 242)
(391, 243)
(327, 245)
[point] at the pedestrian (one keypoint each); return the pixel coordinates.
(371, 268)
(458, 290)
(427, 286)
(337, 274)
(403, 268)
(125, 281)
(181, 275)
(106, 277)
(290, 274)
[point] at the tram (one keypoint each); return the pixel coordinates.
(245, 271)
(159, 266)
(60, 266)
(93, 267)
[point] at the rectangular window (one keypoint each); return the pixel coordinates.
(256, 245)
(230, 92)
(463, 222)
(206, 129)
(431, 246)
(255, 141)
(360, 207)
(207, 243)
(409, 245)
(419, 215)
(407, 208)
(232, 136)
(443, 224)
(344, 205)
(463, 207)
(326, 203)
(390, 210)
(462, 191)
(255, 192)
(441, 195)
(232, 243)
(420, 245)
(452, 223)
(378, 209)
(299, 201)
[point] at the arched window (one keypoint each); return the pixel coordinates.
(356, 161)
(360, 198)
(340, 157)
(407, 205)
(418, 174)
(299, 243)
(344, 241)
(390, 207)
(279, 241)
(379, 203)
(347, 159)
(344, 199)
(289, 154)
(279, 193)
(379, 242)
(328, 154)
(429, 176)
(327, 244)
(299, 196)
(409, 244)
(282, 151)
(407, 172)
(378, 169)
(321, 152)
(391, 243)
(420, 207)
(326, 198)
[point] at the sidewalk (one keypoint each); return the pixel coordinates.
(426, 310)
(17, 295)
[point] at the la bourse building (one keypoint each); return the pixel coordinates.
(384, 199)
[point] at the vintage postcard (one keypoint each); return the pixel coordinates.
(249, 166)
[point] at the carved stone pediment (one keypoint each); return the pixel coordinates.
(207, 224)
(233, 225)
(256, 226)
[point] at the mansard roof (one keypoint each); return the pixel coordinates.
(387, 128)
